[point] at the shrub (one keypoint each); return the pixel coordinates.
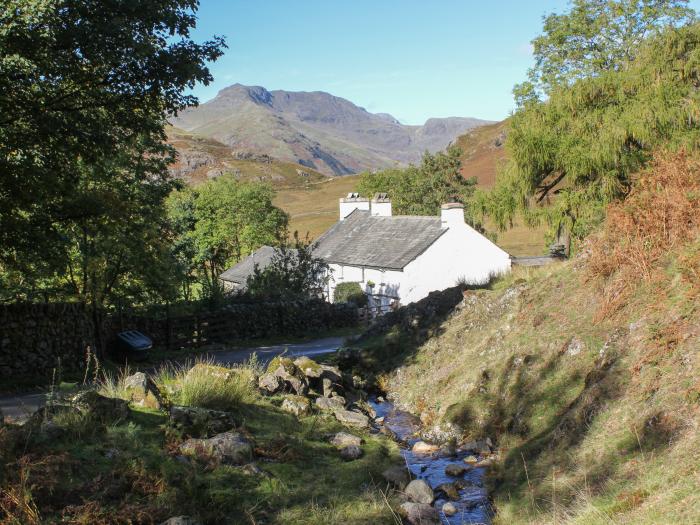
(114, 385)
(350, 293)
(659, 217)
(208, 385)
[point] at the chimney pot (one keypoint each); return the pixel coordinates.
(380, 205)
(351, 203)
(452, 214)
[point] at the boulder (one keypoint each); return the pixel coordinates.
(310, 368)
(104, 409)
(181, 520)
(399, 476)
(298, 385)
(451, 490)
(419, 491)
(142, 391)
(486, 462)
(481, 447)
(332, 373)
(330, 403)
(421, 447)
(229, 447)
(354, 419)
(292, 377)
(351, 452)
(419, 514)
(201, 422)
(327, 387)
(364, 407)
(343, 439)
(449, 509)
(297, 405)
(251, 469)
(456, 469)
(270, 384)
(471, 459)
(448, 449)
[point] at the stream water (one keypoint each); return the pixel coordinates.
(473, 506)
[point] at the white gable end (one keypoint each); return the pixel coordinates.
(402, 259)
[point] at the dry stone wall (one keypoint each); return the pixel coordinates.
(36, 338)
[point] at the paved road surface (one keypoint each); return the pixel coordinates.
(18, 406)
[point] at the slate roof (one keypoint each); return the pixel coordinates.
(378, 242)
(239, 273)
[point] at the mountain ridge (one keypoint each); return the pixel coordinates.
(317, 129)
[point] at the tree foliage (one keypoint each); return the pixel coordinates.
(85, 90)
(422, 189)
(350, 292)
(293, 273)
(218, 223)
(593, 37)
(576, 152)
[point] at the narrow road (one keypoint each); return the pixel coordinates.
(18, 406)
(267, 353)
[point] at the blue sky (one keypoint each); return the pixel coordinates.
(413, 59)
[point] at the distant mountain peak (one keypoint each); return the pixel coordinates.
(257, 94)
(316, 129)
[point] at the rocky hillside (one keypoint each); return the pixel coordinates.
(586, 373)
(316, 129)
(200, 158)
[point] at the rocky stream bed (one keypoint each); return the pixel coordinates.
(453, 472)
(439, 483)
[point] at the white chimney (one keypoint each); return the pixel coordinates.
(381, 205)
(451, 214)
(351, 203)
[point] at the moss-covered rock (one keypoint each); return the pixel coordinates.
(293, 378)
(229, 447)
(297, 405)
(281, 361)
(309, 367)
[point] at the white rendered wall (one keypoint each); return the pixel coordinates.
(460, 254)
(347, 206)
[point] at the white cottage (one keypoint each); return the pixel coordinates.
(396, 259)
(400, 259)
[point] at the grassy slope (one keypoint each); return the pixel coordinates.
(314, 208)
(129, 471)
(483, 152)
(608, 434)
(590, 383)
(312, 202)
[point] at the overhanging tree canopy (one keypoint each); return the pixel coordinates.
(588, 138)
(85, 87)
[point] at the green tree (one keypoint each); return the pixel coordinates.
(293, 273)
(85, 90)
(593, 37)
(578, 150)
(180, 210)
(218, 223)
(422, 189)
